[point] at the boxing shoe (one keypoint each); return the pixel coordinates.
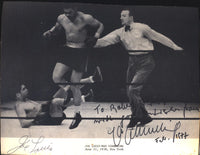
(97, 76)
(76, 121)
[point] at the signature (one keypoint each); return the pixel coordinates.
(31, 145)
(122, 106)
(173, 109)
(129, 134)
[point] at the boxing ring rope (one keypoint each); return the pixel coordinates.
(108, 118)
(87, 83)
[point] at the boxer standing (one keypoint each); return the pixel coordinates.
(74, 53)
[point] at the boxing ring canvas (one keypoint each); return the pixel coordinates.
(171, 93)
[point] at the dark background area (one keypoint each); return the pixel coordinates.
(28, 58)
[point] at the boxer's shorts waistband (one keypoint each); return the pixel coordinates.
(75, 45)
(138, 52)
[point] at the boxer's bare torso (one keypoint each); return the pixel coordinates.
(28, 108)
(75, 31)
(75, 24)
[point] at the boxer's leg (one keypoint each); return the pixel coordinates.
(58, 77)
(96, 77)
(75, 78)
(56, 107)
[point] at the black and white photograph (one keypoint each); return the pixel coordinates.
(91, 79)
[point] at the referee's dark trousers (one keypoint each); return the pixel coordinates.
(139, 68)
